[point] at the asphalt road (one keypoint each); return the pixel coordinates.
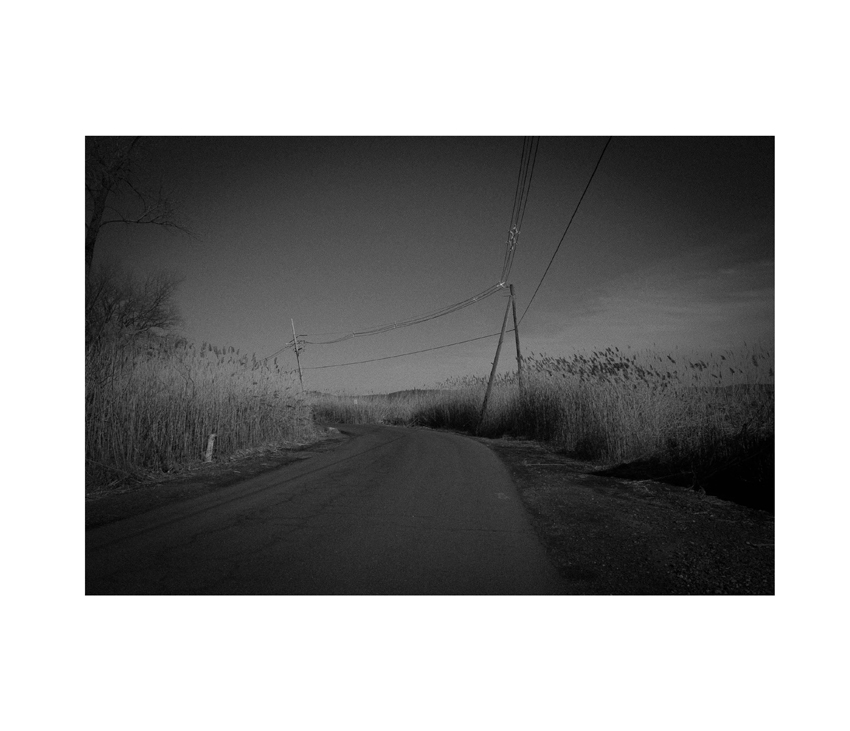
(390, 511)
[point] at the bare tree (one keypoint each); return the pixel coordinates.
(121, 308)
(116, 193)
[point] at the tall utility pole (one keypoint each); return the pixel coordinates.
(516, 335)
(495, 361)
(297, 357)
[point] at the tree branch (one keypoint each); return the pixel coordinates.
(165, 224)
(111, 163)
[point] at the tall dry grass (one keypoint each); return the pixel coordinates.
(614, 406)
(675, 412)
(151, 404)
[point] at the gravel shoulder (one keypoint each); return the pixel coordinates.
(608, 535)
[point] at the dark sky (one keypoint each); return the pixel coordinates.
(673, 246)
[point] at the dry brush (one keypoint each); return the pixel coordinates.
(152, 403)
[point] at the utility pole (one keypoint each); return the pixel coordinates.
(297, 357)
(516, 335)
(495, 362)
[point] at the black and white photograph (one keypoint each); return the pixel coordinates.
(430, 365)
(446, 366)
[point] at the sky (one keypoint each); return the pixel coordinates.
(671, 248)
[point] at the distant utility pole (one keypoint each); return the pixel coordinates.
(495, 362)
(516, 335)
(297, 357)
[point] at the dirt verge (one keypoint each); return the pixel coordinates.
(608, 535)
(107, 506)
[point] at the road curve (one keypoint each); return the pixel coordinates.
(390, 511)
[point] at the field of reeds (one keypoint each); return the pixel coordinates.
(706, 422)
(153, 402)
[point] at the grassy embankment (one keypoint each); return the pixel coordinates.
(708, 424)
(151, 405)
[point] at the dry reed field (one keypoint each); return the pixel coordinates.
(697, 421)
(152, 403)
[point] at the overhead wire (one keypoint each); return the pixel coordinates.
(412, 321)
(520, 201)
(575, 210)
(523, 186)
(278, 352)
(401, 355)
(519, 182)
(527, 187)
(529, 154)
(526, 171)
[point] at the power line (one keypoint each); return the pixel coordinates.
(526, 171)
(401, 355)
(278, 352)
(413, 321)
(519, 182)
(566, 229)
(392, 326)
(535, 143)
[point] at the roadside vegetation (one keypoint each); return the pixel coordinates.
(705, 422)
(153, 399)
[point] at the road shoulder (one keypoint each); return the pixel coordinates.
(615, 536)
(140, 497)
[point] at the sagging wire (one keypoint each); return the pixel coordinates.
(411, 321)
(526, 171)
(402, 355)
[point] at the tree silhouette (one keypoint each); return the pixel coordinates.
(121, 308)
(116, 191)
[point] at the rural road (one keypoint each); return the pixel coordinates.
(390, 511)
